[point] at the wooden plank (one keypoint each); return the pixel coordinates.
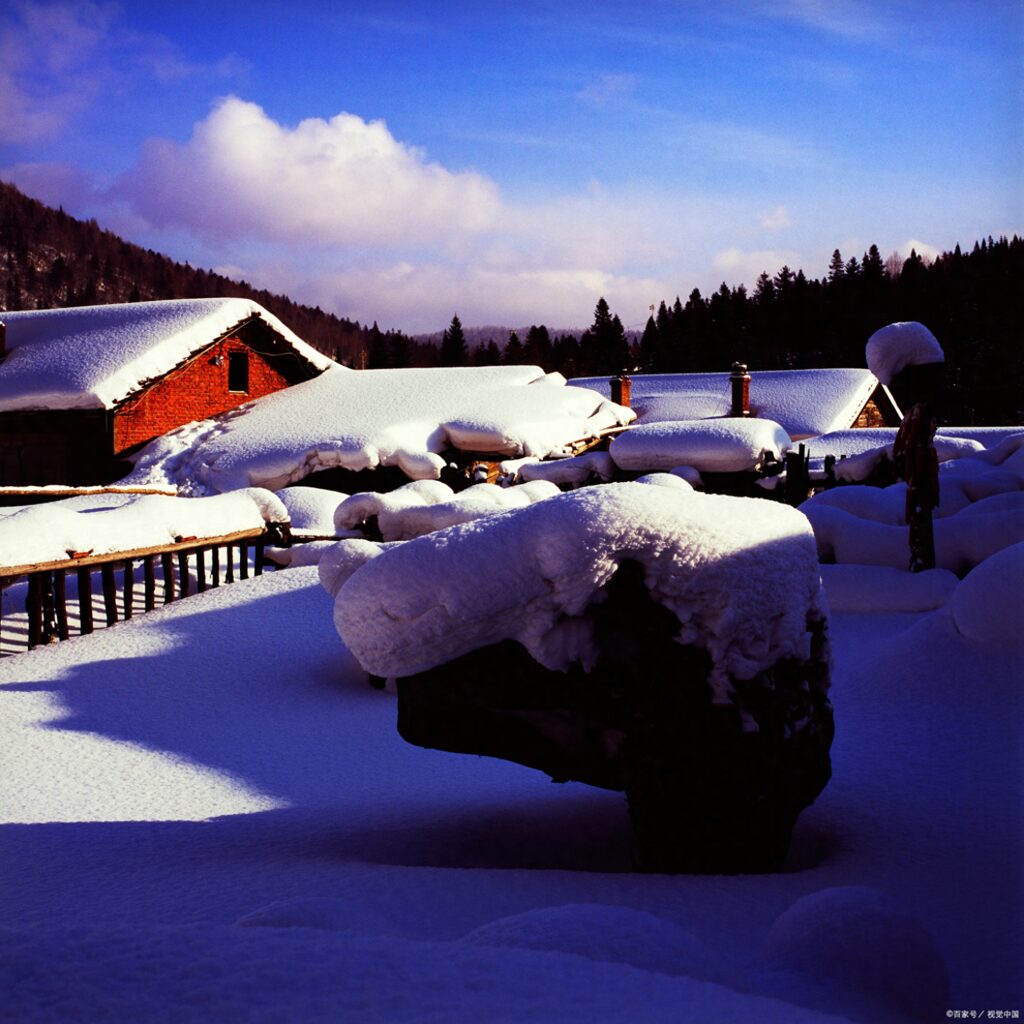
(259, 557)
(109, 592)
(243, 560)
(183, 580)
(216, 566)
(34, 610)
(167, 564)
(229, 575)
(201, 569)
(10, 571)
(149, 572)
(84, 574)
(129, 588)
(49, 612)
(60, 595)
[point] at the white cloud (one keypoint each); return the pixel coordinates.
(923, 249)
(739, 266)
(332, 182)
(776, 220)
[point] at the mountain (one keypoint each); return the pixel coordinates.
(49, 259)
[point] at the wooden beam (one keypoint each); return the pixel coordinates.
(149, 573)
(129, 588)
(84, 574)
(167, 565)
(60, 593)
(34, 610)
(109, 592)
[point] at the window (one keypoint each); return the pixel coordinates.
(238, 371)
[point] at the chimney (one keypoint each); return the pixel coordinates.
(621, 386)
(740, 381)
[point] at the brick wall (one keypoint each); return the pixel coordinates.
(195, 391)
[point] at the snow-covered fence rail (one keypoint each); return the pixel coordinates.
(167, 574)
(49, 550)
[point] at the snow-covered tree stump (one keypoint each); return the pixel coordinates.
(670, 645)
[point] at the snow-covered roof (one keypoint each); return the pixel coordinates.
(804, 402)
(362, 419)
(92, 357)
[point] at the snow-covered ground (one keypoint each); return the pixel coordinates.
(211, 817)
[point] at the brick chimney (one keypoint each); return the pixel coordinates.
(740, 381)
(621, 387)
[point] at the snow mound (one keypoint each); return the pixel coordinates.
(854, 939)
(728, 445)
(361, 420)
(336, 565)
(741, 575)
(305, 553)
(871, 588)
(572, 472)
(91, 357)
(895, 347)
(52, 532)
(311, 510)
(961, 542)
(598, 932)
(669, 480)
(427, 505)
(319, 912)
(987, 605)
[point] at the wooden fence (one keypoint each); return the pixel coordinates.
(46, 600)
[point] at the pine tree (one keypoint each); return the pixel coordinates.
(513, 355)
(454, 351)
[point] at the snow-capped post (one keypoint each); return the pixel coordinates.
(915, 456)
(740, 381)
(621, 387)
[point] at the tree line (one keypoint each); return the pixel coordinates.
(973, 301)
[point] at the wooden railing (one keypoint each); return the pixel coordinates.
(46, 600)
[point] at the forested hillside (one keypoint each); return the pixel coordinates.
(973, 301)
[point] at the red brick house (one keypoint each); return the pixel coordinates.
(82, 388)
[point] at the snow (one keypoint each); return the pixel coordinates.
(100, 524)
(424, 506)
(895, 347)
(710, 446)
(805, 402)
(590, 467)
(717, 562)
(371, 418)
(92, 357)
(874, 588)
(987, 606)
(311, 510)
(210, 816)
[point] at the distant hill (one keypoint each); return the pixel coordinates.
(49, 259)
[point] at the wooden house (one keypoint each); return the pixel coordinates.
(82, 388)
(805, 403)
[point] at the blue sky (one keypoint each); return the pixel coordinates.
(512, 162)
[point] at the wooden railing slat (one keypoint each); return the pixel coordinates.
(84, 575)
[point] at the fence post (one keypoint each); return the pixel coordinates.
(84, 575)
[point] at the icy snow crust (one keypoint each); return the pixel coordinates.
(99, 524)
(92, 357)
(804, 402)
(360, 420)
(895, 347)
(741, 576)
(709, 446)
